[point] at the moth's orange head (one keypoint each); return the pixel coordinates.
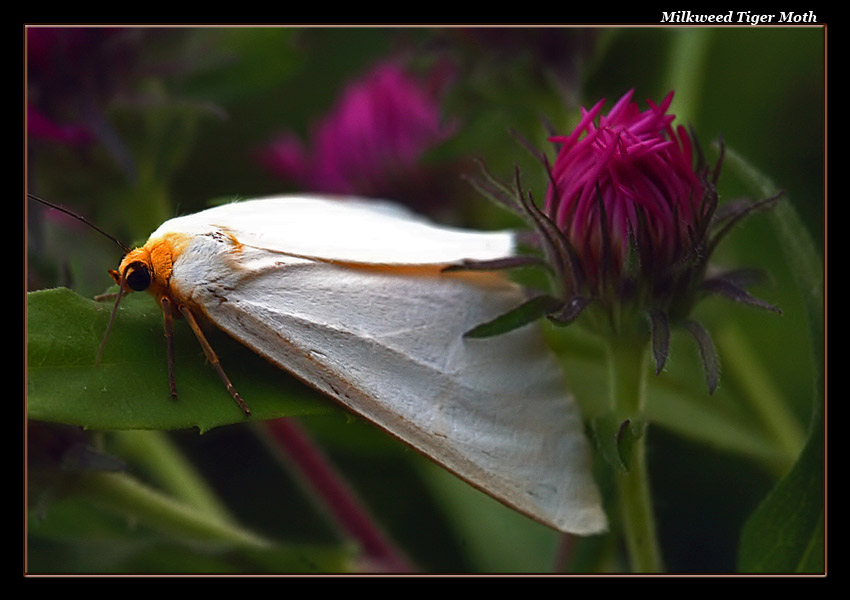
(149, 268)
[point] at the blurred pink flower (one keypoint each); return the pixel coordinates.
(72, 75)
(372, 140)
(40, 127)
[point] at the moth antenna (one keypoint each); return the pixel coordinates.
(123, 275)
(79, 218)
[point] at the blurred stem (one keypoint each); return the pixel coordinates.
(762, 393)
(96, 120)
(336, 496)
(684, 71)
(124, 494)
(628, 367)
(162, 460)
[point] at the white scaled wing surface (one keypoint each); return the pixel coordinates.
(344, 229)
(362, 317)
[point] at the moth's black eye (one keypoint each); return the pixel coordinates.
(138, 276)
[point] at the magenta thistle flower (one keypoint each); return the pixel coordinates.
(630, 175)
(370, 142)
(630, 220)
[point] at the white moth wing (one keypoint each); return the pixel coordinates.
(342, 229)
(389, 346)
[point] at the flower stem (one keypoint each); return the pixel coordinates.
(628, 368)
(122, 493)
(155, 453)
(638, 519)
(337, 497)
(685, 70)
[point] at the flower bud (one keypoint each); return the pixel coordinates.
(629, 223)
(627, 184)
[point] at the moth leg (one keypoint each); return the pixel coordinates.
(168, 325)
(211, 356)
(105, 297)
(118, 296)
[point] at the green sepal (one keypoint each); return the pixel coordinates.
(616, 438)
(729, 288)
(497, 264)
(525, 313)
(660, 329)
(708, 354)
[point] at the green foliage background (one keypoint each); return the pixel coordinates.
(203, 100)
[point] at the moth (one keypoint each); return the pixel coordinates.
(352, 296)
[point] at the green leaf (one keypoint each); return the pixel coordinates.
(785, 533)
(129, 388)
